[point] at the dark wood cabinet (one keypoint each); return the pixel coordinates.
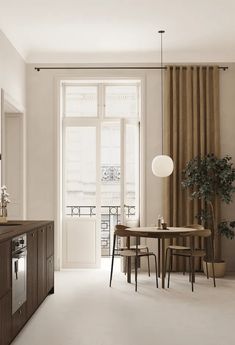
(18, 320)
(50, 275)
(32, 272)
(40, 276)
(50, 258)
(50, 240)
(42, 264)
(5, 292)
(5, 319)
(5, 267)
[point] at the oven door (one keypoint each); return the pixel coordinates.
(19, 279)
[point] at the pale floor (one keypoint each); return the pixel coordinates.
(85, 311)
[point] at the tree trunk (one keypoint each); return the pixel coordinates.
(215, 235)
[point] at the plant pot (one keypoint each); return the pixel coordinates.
(220, 269)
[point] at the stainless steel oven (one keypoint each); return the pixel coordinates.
(19, 272)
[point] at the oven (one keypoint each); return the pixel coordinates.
(19, 272)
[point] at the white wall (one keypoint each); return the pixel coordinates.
(41, 139)
(12, 81)
(12, 72)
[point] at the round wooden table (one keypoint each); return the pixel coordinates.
(161, 235)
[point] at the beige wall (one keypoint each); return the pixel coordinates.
(12, 71)
(227, 106)
(41, 138)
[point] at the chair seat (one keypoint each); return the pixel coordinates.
(178, 247)
(195, 253)
(140, 246)
(132, 253)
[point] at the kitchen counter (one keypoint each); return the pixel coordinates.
(14, 228)
(22, 291)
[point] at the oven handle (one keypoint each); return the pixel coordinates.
(17, 257)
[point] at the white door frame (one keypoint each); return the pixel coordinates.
(11, 108)
(58, 145)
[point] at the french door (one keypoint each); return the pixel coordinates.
(100, 183)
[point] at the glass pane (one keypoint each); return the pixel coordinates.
(80, 171)
(121, 101)
(81, 101)
(110, 183)
(132, 172)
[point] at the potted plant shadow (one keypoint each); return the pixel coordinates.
(210, 179)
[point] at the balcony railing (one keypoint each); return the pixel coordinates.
(110, 216)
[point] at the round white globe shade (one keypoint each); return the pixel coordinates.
(162, 166)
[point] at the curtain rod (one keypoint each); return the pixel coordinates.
(38, 69)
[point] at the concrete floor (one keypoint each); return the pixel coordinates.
(85, 311)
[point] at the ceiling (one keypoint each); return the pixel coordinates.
(120, 30)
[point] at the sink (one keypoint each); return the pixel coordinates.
(10, 224)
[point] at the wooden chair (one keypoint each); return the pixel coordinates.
(132, 247)
(120, 231)
(180, 248)
(193, 253)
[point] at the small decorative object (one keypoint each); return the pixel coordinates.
(159, 222)
(164, 226)
(3, 204)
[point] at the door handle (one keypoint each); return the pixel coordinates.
(16, 269)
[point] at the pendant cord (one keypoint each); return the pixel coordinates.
(162, 108)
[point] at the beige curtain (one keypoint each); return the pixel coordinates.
(191, 128)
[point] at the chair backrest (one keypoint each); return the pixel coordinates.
(202, 233)
(120, 230)
(195, 226)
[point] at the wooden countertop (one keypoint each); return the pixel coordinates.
(15, 228)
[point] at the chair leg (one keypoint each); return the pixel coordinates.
(167, 250)
(112, 262)
(136, 263)
(213, 270)
(207, 273)
(169, 267)
(148, 262)
(125, 265)
(156, 270)
(191, 271)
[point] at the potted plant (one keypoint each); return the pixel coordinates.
(4, 200)
(211, 179)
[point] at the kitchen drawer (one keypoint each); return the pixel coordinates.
(18, 320)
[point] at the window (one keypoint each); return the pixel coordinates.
(81, 100)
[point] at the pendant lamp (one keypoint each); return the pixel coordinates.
(162, 165)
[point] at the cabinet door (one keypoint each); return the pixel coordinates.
(5, 267)
(5, 319)
(50, 275)
(50, 240)
(42, 277)
(32, 272)
(18, 320)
